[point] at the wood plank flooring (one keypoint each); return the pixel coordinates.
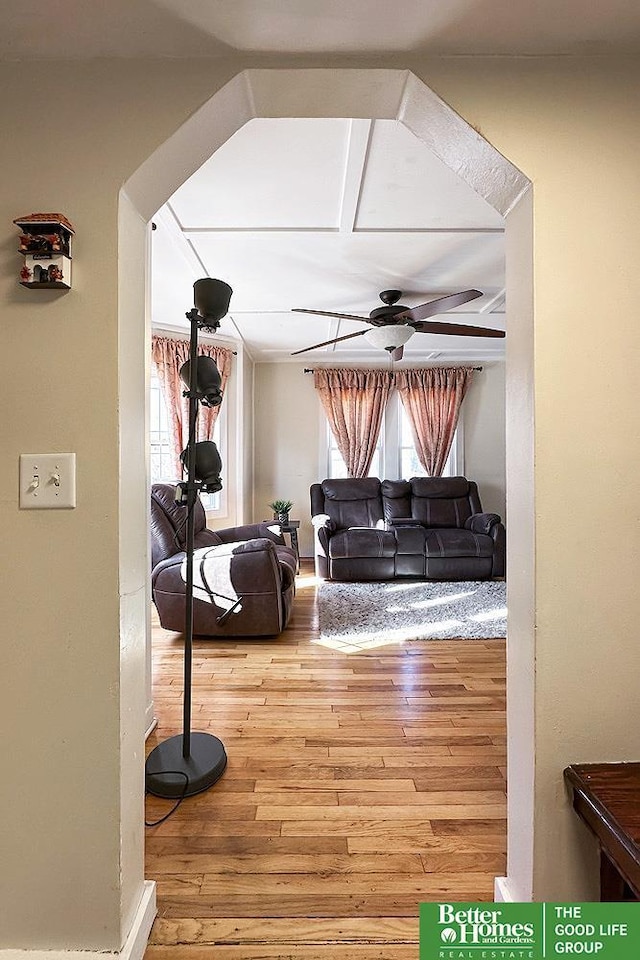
(358, 785)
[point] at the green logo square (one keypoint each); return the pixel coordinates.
(480, 931)
(529, 931)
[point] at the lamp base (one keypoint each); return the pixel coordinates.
(165, 766)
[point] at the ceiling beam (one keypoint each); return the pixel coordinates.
(496, 301)
(356, 158)
(169, 220)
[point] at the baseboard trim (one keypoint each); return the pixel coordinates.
(133, 949)
(136, 942)
(502, 891)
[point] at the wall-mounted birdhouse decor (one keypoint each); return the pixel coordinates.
(45, 244)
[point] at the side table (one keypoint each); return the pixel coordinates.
(292, 529)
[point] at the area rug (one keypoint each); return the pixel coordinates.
(364, 614)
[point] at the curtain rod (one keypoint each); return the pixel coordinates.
(312, 369)
(175, 335)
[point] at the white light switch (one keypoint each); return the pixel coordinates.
(47, 481)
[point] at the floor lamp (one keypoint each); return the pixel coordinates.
(192, 762)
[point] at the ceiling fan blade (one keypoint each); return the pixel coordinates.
(441, 305)
(327, 343)
(455, 329)
(397, 353)
(328, 313)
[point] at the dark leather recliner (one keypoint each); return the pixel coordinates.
(428, 528)
(250, 562)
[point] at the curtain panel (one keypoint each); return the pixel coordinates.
(354, 402)
(432, 397)
(169, 354)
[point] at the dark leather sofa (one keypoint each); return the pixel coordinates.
(251, 562)
(429, 528)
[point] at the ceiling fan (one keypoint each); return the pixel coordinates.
(393, 324)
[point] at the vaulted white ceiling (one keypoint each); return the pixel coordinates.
(325, 214)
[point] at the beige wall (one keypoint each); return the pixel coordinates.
(484, 436)
(287, 442)
(569, 125)
(72, 745)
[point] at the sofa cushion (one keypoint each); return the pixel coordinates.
(353, 502)
(447, 514)
(362, 542)
(351, 488)
(410, 539)
(169, 524)
(163, 495)
(206, 538)
(439, 488)
(164, 542)
(440, 501)
(457, 543)
(396, 498)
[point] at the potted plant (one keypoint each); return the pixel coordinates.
(281, 510)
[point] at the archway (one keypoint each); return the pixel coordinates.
(378, 94)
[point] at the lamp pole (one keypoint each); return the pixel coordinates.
(192, 493)
(191, 762)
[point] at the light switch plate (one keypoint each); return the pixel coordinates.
(47, 481)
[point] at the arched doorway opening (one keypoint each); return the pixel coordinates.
(378, 94)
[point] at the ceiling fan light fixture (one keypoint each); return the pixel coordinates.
(389, 337)
(394, 324)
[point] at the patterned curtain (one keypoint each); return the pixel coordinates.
(169, 354)
(432, 397)
(354, 402)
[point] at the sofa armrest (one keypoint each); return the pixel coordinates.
(403, 522)
(492, 526)
(323, 527)
(483, 523)
(322, 520)
(251, 531)
(174, 562)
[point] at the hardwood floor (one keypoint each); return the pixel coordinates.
(358, 785)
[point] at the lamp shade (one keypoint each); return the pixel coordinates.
(208, 465)
(390, 336)
(208, 380)
(211, 299)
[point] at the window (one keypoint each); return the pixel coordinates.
(162, 468)
(338, 468)
(395, 455)
(410, 466)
